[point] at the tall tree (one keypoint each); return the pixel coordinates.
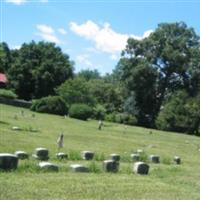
(37, 69)
(162, 63)
(5, 57)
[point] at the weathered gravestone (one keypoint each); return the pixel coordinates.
(8, 161)
(16, 128)
(61, 155)
(154, 158)
(177, 160)
(87, 155)
(78, 168)
(110, 166)
(115, 157)
(21, 155)
(41, 154)
(141, 168)
(135, 157)
(46, 166)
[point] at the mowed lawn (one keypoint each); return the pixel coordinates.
(164, 181)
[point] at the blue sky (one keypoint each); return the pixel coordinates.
(93, 33)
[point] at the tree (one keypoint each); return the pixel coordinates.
(156, 66)
(89, 74)
(5, 57)
(76, 91)
(181, 113)
(37, 69)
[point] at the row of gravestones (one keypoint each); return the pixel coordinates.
(10, 161)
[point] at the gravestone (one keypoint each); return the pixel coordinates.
(41, 154)
(110, 166)
(154, 158)
(115, 157)
(8, 161)
(177, 160)
(48, 166)
(135, 157)
(141, 168)
(21, 155)
(16, 128)
(61, 155)
(139, 151)
(87, 155)
(78, 168)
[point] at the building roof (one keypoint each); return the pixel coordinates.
(3, 78)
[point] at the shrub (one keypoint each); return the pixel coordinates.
(50, 104)
(80, 111)
(99, 112)
(7, 94)
(121, 118)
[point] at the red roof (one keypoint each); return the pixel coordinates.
(3, 78)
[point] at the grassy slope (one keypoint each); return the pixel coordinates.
(165, 181)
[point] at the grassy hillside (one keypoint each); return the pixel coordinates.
(165, 180)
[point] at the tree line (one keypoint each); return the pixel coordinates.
(155, 84)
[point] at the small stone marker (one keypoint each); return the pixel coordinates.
(78, 168)
(154, 158)
(140, 151)
(141, 168)
(87, 155)
(61, 155)
(8, 161)
(135, 156)
(21, 155)
(177, 160)
(48, 166)
(16, 128)
(41, 154)
(115, 157)
(110, 166)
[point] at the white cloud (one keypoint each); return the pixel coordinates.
(17, 2)
(62, 31)
(47, 33)
(84, 60)
(105, 39)
(114, 57)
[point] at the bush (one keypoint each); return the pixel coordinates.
(121, 118)
(80, 111)
(50, 104)
(99, 112)
(7, 94)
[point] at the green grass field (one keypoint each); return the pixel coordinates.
(164, 181)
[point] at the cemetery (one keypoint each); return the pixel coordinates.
(136, 161)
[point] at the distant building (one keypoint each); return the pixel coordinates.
(3, 80)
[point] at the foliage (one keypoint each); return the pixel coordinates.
(106, 94)
(5, 57)
(166, 61)
(50, 104)
(37, 68)
(80, 111)
(9, 94)
(181, 113)
(99, 112)
(121, 118)
(88, 74)
(75, 91)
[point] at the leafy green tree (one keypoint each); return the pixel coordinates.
(181, 113)
(38, 68)
(76, 91)
(156, 66)
(89, 74)
(5, 57)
